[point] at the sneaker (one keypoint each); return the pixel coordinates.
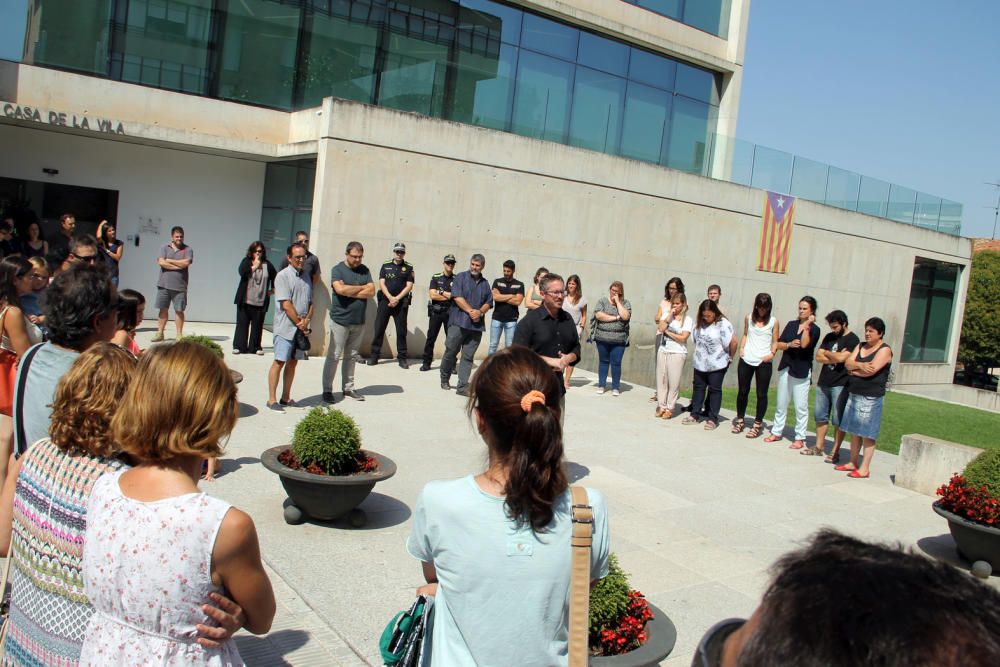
(259, 353)
(425, 367)
(372, 361)
(464, 391)
(446, 386)
(290, 403)
(600, 390)
(235, 351)
(403, 363)
(275, 407)
(615, 392)
(157, 337)
(353, 394)
(328, 397)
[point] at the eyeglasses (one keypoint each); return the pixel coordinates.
(709, 653)
(399, 252)
(90, 259)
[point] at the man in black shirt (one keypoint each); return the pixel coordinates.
(550, 330)
(832, 353)
(508, 293)
(395, 280)
(438, 307)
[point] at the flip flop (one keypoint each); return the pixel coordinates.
(773, 438)
(847, 467)
(832, 459)
(811, 452)
(857, 475)
(798, 444)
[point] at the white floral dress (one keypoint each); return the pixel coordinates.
(147, 571)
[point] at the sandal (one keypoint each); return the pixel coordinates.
(854, 474)
(659, 412)
(798, 444)
(689, 420)
(667, 414)
(738, 426)
(812, 451)
(711, 425)
(773, 438)
(847, 467)
(833, 458)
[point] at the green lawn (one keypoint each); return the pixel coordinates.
(903, 414)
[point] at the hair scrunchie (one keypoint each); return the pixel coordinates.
(532, 397)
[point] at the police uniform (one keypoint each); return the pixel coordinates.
(395, 276)
(437, 313)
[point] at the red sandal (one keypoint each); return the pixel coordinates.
(857, 475)
(773, 438)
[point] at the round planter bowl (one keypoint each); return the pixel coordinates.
(662, 637)
(326, 497)
(237, 376)
(975, 541)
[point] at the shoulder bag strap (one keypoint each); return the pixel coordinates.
(579, 592)
(20, 446)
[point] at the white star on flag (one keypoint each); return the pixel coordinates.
(781, 202)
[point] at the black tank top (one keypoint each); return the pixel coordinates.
(874, 385)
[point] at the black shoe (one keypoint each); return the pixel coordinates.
(403, 363)
(446, 386)
(425, 367)
(454, 371)
(353, 394)
(328, 397)
(464, 391)
(372, 361)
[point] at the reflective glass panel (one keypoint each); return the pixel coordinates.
(696, 83)
(646, 67)
(928, 318)
(484, 88)
(928, 211)
(809, 179)
(901, 204)
(166, 44)
(258, 53)
(545, 36)
(338, 59)
(69, 34)
(542, 97)
(708, 15)
(873, 197)
(482, 15)
(951, 217)
(646, 112)
(597, 110)
(772, 170)
(414, 73)
(842, 189)
(689, 133)
(603, 54)
(670, 8)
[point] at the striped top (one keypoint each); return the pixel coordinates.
(49, 610)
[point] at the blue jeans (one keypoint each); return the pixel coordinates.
(825, 409)
(508, 334)
(610, 355)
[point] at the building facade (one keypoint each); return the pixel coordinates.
(590, 137)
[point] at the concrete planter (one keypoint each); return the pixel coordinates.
(662, 637)
(325, 497)
(975, 542)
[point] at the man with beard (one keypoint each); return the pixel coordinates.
(472, 298)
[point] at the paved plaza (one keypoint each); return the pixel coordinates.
(697, 517)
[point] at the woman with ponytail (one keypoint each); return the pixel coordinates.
(495, 547)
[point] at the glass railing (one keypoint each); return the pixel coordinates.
(746, 163)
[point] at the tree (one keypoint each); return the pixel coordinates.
(980, 343)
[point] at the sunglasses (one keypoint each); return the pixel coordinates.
(709, 653)
(90, 259)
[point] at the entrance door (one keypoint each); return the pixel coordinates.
(37, 201)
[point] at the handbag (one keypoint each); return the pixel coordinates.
(301, 340)
(579, 590)
(5, 604)
(8, 374)
(405, 640)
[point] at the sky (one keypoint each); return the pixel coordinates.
(907, 91)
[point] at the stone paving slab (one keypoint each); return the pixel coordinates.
(697, 517)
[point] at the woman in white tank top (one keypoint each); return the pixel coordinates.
(757, 349)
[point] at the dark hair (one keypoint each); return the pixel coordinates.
(72, 301)
(102, 232)
(538, 273)
(354, 245)
(11, 268)
(761, 302)
(837, 317)
(898, 609)
(707, 304)
(509, 264)
(175, 229)
(128, 309)
(877, 324)
(543, 284)
(528, 444)
(65, 216)
(83, 241)
(811, 301)
(677, 281)
(56, 257)
(263, 250)
(579, 287)
(301, 233)
(714, 287)
(293, 246)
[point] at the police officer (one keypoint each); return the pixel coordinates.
(395, 280)
(438, 306)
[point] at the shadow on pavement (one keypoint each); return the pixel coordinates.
(227, 466)
(942, 548)
(575, 472)
(380, 511)
(247, 410)
(268, 650)
(380, 390)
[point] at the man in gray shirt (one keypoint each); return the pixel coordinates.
(351, 286)
(173, 260)
(293, 296)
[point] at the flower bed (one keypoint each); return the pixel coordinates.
(362, 463)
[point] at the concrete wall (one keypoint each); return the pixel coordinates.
(216, 199)
(443, 187)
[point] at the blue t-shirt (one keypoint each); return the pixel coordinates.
(496, 581)
(46, 368)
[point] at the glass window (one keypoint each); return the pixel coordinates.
(670, 8)
(258, 53)
(928, 319)
(646, 112)
(413, 75)
(338, 60)
(873, 197)
(842, 189)
(951, 217)
(542, 97)
(809, 179)
(545, 36)
(901, 203)
(597, 110)
(655, 70)
(689, 134)
(604, 54)
(166, 45)
(928, 211)
(772, 170)
(708, 15)
(483, 15)
(69, 34)
(484, 88)
(696, 83)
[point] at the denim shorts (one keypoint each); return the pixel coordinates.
(285, 349)
(863, 416)
(825, 408)
(165, 297)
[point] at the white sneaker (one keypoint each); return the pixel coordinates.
(615, 392)
(235, 351)
(600, 390)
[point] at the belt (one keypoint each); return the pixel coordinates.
(145, 631)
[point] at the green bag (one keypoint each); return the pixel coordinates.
(403, 641)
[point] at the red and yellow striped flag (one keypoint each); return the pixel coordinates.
(776, 233)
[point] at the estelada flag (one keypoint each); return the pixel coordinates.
(776, 233)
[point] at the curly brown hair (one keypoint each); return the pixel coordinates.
(87, 397)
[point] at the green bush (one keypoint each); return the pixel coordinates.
(328, 438)
(984, 470)
(609, 598)
(206, 342)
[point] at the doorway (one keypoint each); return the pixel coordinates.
(37, 201)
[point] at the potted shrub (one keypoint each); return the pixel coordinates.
(625, 629)
(971, 504)
(216, 349)
(325, 472)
